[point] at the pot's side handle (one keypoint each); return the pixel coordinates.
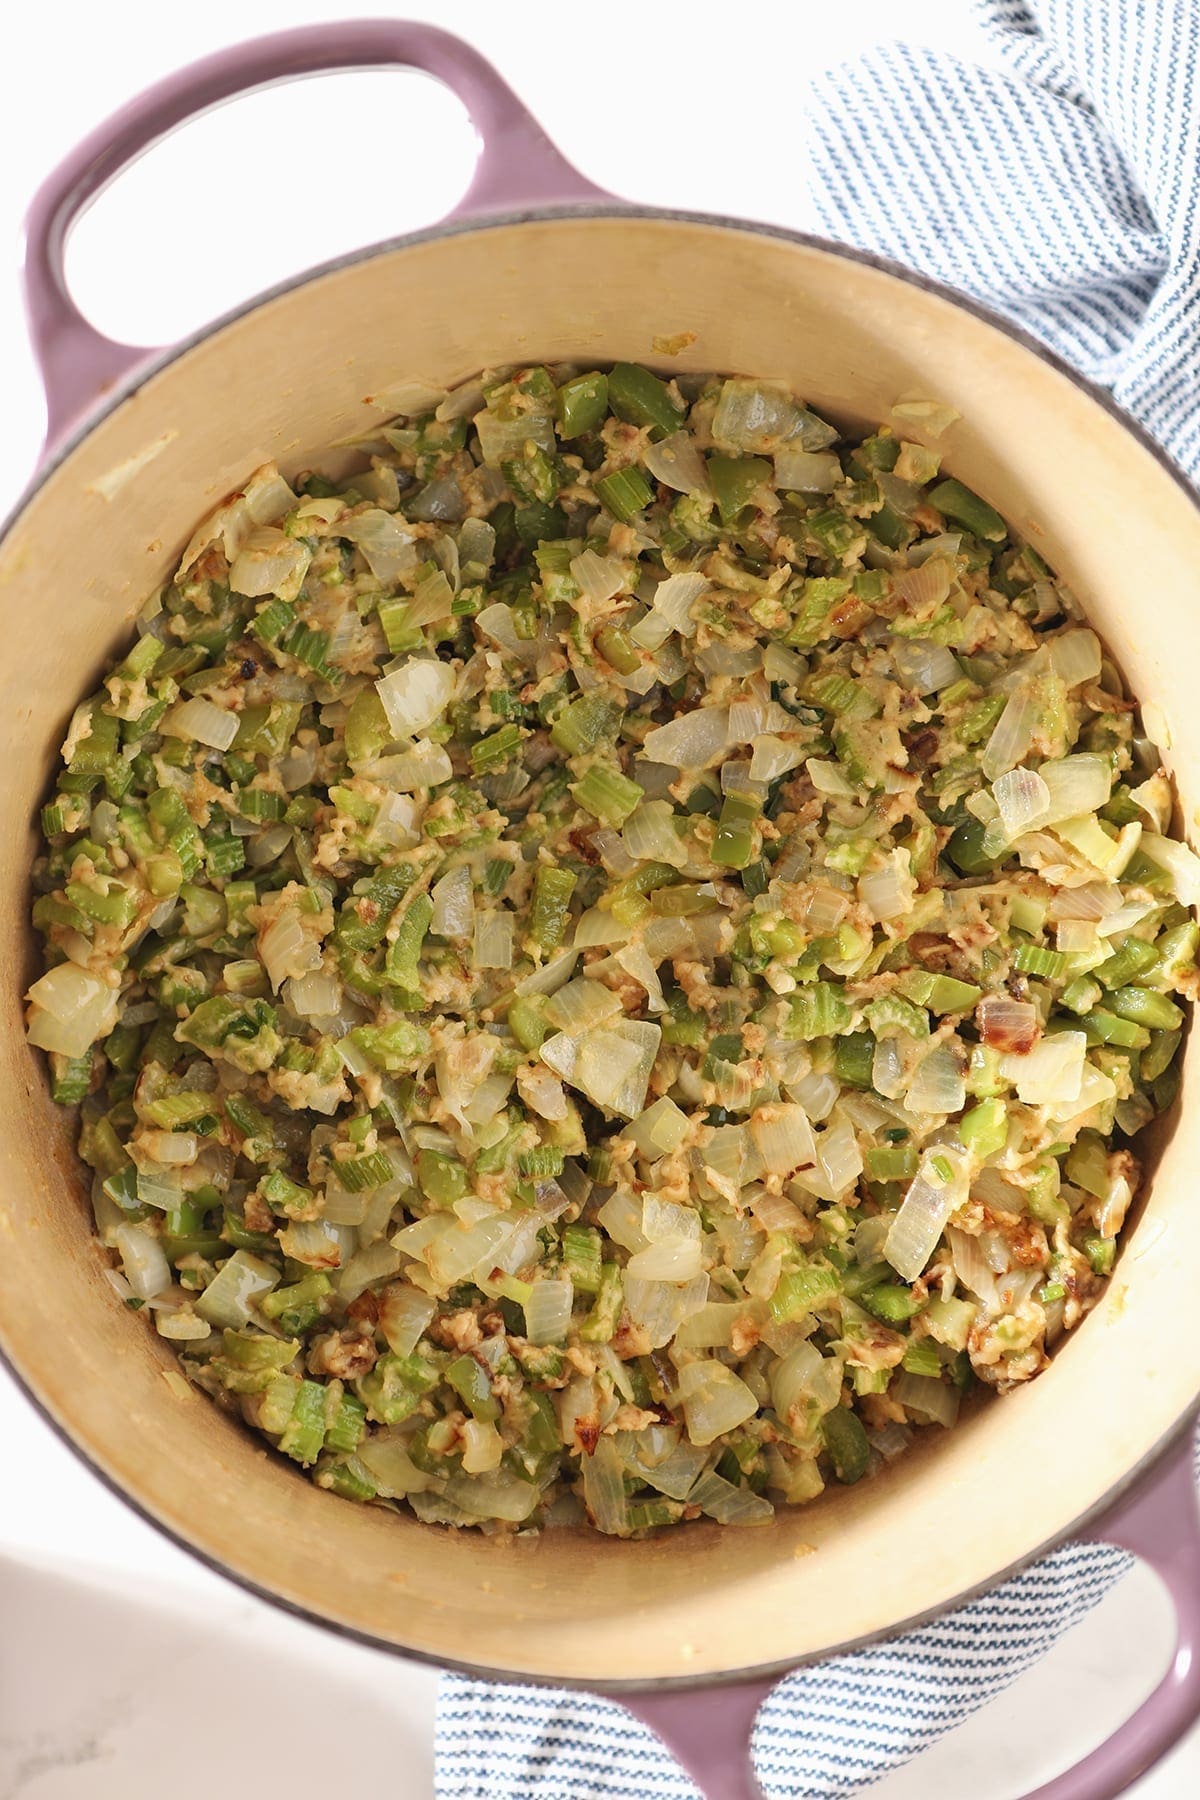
(517, 166)
(709, 1730)
(1159, 1522)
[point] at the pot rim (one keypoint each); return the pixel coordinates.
(94, 414)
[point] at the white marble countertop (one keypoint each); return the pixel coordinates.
(109, 1632)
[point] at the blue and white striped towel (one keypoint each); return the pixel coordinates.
(1061, 190)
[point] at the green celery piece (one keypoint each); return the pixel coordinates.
(965, 508)
(601, 1322)
(624, 493)
(803, 1291)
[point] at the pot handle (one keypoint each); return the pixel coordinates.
(517, 166)
(709, 1731)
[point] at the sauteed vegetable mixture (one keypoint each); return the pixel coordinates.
(611, 959)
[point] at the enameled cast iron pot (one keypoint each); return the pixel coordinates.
(692, 1629)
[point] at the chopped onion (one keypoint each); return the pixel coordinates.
(938, 1085)
(1005, 1024)
(933, 1400)
(230, 1297)
(495, 1496)
(70, 1010)
(728, 1504)
(599, 577)
(1049, 1073)
(804, 1377)
(714, 1400)
(1075, 656)
(1075, 785)
(581, 1005)
(1013, 734)
(924, 666)
(806, 471)
(660, 1130)
(677, 463)
(829, 778)
(755, 416)
(970, 1264)
(1023, 800)
(652, 835)
(387, 543)
(453, 904)
(1177, 861)
(269, 562)
(548, 1311)
(675, 1259)
(493, 939)
(888, 893)
(773, 757)
(200, 721)
(783, 1139)
(694, 740)
(143, 1259)
(933, 1195)
(658, 1308)
(604, 1488)
(416, 695)
(425, 765)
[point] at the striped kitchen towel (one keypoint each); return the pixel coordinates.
(1060, 189)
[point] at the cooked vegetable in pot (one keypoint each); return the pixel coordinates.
(611, 959)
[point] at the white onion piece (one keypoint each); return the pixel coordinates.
(938, 1085)
(70, 1010)
(783, 1139)
(425, 765)
(453, 904)
(927, 1397)
(199, 721)
(1010, 1025)
(416, 695)
(495, 1496)
(548, 1311)
(386, 541)
(1051, 1072)
(694, 740)
(604, 1488)
(931, 1198)
(1177, 861)
(1075, 785)
(660, 1130)
(806, 471)
(804, 1377)
(658, 1308)
(971, 1266)
(674, 1259)
(923, 666)
(483, 1447)
(599, 577)
(621, 1218)
(714, 1400)
(1075, 655)
(773, 757)
(650, 834)
(830, 779)
(493, 939)
(143, 1259)
(582, 1005)
(1023, 800)
(1013, 734)
(888, 893)
(678, 464)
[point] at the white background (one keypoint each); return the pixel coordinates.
(124, 1665)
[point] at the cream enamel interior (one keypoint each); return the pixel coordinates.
(296, 373)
